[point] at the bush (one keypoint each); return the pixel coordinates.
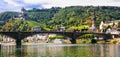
(83, 42)
(1, 39)
(56, 37)
(87, 36)
(114, 42)
(93, 41)
(79, 41)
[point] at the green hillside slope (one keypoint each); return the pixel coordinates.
(51, 19)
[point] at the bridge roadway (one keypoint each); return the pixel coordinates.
(73, 35)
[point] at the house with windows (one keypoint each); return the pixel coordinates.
(37, 28)
(108, 26)
(61, 28)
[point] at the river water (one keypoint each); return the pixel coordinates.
(61, 50)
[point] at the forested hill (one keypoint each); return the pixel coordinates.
(43, 15)
(73, 16)
(77, 15)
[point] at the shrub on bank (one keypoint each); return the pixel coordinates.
(1, 39)
(88, 41)
(80, 41)
(56, 37)
(114, 41)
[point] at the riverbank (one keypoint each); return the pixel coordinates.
(88, 41)
(78, 41)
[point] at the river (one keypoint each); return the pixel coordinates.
(61, 50)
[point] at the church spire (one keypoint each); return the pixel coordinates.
(93, 21)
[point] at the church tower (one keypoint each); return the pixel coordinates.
(94, 20)
(93, 27)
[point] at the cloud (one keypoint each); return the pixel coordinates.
(116, 0)
(12, 3)
(15, 5)
(61, 3)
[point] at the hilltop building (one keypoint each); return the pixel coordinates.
(37, 28)
(22, 14)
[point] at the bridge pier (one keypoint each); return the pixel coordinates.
(108, 36)
(18, 43)
(73, 40)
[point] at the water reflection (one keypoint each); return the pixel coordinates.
(55, 50)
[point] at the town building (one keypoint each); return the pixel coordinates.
(37, 28)
(61, 28)
(114, 25)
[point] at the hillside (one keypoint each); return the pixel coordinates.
(78, 15)
(74, 17)
(37, 23)
(43, 15)
(4, 16)
(22, 25)
(17, 25)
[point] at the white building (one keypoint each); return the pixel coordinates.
(108, 23)
(115, 32)
(62, 28)
(37, 28)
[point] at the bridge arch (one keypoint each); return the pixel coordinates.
(99, 35)
(44, 37)
(6, 39)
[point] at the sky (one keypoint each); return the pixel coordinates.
(16, 5)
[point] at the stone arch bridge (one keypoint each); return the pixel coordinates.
(18, 36)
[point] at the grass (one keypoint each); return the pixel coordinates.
(80, 41)
(85, 41)
(33, 23)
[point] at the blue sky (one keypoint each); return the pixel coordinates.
(16, 5)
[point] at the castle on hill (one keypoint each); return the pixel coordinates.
(22, 15)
